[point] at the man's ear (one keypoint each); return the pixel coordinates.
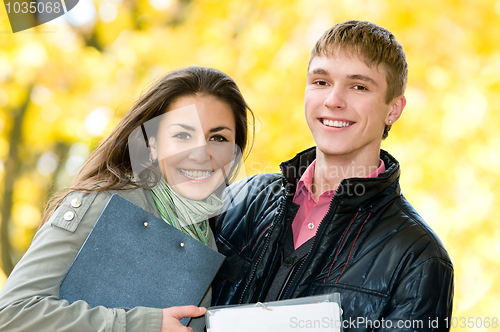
(153, 152)
(397, 106)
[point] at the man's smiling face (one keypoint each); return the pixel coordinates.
(345, 104)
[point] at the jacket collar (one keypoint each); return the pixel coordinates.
(355, 192)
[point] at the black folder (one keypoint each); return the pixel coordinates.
(132, 258)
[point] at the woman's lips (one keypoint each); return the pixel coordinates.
(196, 175)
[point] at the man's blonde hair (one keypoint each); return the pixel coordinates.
(373, 44)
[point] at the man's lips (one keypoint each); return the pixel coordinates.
(336, 123)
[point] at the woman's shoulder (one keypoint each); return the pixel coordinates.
(74, 208)
(89, 204)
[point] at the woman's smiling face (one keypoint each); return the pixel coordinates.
(195, 145)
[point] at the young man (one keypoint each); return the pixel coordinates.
(335, 220)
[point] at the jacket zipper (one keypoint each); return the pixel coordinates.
(268, 237)
(289, 287)
(290, 277)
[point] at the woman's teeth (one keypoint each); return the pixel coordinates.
(337, 124)
(196, 175)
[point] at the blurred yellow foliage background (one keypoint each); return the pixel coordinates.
(64, 85)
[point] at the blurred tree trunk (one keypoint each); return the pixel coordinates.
(62, 151)
(12, 166)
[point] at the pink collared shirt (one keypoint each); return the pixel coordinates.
(311, 213)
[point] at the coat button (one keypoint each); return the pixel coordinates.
(76, 202)
(288, 261)
(69, 216)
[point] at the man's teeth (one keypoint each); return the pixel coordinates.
(196, 175)
(337, 124)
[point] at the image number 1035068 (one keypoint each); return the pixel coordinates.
(26, 14)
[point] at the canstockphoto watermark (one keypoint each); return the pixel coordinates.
(347, 187)
(316, 324)
(344, 172)
(359, 322)
(26, 14)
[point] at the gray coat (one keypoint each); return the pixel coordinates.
(29, 300)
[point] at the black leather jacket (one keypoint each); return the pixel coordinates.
(372, 247)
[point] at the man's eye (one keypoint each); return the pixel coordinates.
(360, 87)
(218, 138)
(321, 83)
(182, 136)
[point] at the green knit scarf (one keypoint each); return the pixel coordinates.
(187, 215)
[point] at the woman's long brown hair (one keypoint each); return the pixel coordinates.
(109, 165)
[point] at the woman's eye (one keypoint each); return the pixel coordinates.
(182, 136)
(218, 138)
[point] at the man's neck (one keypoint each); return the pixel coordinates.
(330, 170)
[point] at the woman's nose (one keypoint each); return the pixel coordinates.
(200, 154)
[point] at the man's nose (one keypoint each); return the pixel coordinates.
(335, 99)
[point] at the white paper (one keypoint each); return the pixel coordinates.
(323, 316)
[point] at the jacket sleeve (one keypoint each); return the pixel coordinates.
(422, 299)
(29, 300)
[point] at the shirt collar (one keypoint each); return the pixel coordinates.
(305, 182)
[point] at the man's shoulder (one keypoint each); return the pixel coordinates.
(253, 195)
(259, 179)
(414, 235)
(255, 184)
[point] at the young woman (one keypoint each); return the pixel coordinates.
(175, 148)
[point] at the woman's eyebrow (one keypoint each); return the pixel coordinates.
(183, 126)
(213, 130)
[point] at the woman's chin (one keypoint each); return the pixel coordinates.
(194, 191)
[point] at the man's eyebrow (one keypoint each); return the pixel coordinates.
(183, 126)
(216, 129)
(318, 71)
(362, 78)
